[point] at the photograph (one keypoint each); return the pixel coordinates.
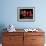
(25, 14)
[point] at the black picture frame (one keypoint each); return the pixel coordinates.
(26, 14)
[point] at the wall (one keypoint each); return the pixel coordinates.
(8, 13)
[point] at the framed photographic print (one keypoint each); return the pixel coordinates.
(26, 14)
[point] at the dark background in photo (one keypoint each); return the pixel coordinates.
(26, 13)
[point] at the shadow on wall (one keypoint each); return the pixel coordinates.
(2, 26)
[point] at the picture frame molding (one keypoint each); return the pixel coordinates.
(25, 20)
